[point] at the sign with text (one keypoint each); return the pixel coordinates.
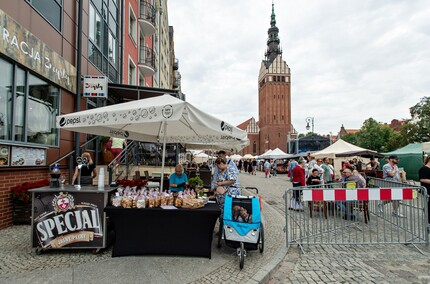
(24, 156)
(68, 220)
(95, 87)
(18, 43)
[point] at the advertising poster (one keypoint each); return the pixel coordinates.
(68, 220)
(23, 156)
(4, 156)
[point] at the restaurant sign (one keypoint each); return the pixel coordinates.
(18, 43)
(68, 220)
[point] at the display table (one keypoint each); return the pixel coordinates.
(65, 218)
(163, 231)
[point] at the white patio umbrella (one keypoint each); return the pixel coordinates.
(235, 157)
(163, 119)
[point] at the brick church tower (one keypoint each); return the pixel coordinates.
(274, 94)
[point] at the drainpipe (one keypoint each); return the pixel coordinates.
(78, 74)
(159, 43)
(121, 32)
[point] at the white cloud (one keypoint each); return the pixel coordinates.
(349, 60)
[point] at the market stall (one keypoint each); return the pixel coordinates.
(67, 218)
(163, 231)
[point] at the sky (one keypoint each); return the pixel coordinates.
(349, 60)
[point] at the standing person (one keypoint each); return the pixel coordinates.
(254, 167)
(424, 175)
(231, 165)
(327, 178)
(292, 165)
(239, 166)
(178, 180)
(345, 206)
(266, 168)
(319, 168)
(298, 180)
(274, 165)
(249, 170)
(390, 172)
(227, 182)
(117, 146)
(88, 171)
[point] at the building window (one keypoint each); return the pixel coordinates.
(133, 25)
(51, 10)
(102, 37)
(254, 147)
(28, 107)
(131, 72)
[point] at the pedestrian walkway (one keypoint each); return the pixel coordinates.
(20, 264)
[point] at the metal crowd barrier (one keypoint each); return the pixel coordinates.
(336, 214)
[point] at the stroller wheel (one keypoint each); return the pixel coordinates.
(261, 243)
(242, 255)
(220, 233)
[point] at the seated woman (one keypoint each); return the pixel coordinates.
(314, 178)
(88, 170)
(178, 180)
(227, 181)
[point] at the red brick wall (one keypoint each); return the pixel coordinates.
(12, 178)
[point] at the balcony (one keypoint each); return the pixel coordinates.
(146, 61)
(147, 18)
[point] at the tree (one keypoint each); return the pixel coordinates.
(376, 136)
(350, 138)
(417, 129)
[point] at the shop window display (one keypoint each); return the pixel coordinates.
(32, 110)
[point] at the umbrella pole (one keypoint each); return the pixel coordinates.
(163, 156)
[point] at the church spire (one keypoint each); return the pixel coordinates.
(273, 16)
(273, 49)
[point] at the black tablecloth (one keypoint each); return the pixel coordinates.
(162, 231)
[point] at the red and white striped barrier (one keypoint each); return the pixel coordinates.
(359, 194)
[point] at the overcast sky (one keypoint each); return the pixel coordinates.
(349, 60)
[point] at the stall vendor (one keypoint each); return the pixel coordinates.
(88, 171)
(178, 180)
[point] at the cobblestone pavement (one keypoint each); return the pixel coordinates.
(20, 264)
(319, 264)
(394, 263)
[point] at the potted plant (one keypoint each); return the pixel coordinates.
(21, 200)
(195, 182)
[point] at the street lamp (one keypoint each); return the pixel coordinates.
(310, 120)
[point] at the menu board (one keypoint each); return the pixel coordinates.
(22, 156)
(4, 156)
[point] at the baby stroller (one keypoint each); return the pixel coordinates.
(241, 226)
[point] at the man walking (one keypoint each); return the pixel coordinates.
(390, 172)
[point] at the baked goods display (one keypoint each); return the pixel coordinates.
(130, 197)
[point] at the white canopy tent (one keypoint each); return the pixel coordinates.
(248, 157)
(265, 154)
(163, 119)
(339, 147)
(202, 157)
(275, 154)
